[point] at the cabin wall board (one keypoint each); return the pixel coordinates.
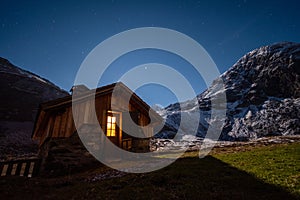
(60, 146)
(61, 121)
(56, 129)
(70, 123)
(63, 124)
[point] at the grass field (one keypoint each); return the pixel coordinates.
(269, 172)
(277, 165)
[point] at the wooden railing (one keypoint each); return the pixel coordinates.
(28, 168)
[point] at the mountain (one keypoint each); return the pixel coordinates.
(21, 93)
(263, 97)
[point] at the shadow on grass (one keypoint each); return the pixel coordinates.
(187, 178)
(207, 178)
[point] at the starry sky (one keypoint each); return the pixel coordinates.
(52, 38)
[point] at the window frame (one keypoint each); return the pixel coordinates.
(111, 125)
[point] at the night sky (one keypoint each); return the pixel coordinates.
(52, 38)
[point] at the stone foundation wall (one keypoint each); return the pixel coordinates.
(141, 145)
(63, 156)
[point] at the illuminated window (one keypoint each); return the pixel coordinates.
(111, 126)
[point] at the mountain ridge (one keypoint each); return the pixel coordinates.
(22, 92)
(262, 85)
(5, 64)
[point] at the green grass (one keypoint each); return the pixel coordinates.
(270, 172)
(277, 165)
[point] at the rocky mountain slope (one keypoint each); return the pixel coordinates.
(21, 93)
(263, 97)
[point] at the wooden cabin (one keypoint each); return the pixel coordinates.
(60, 147)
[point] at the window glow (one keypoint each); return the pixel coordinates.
(111, 126)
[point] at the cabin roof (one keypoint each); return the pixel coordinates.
(89, 93)
(85, 95)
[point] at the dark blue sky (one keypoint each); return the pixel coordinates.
(52, 38)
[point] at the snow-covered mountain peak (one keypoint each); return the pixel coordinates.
(262, 84)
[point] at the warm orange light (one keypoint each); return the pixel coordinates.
(111, 126)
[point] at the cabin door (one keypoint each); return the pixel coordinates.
(112, 127)
(129, 130)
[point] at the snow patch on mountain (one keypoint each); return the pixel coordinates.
(262, 91)
(22, 92)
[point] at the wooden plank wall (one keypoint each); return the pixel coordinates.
(61, 123)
